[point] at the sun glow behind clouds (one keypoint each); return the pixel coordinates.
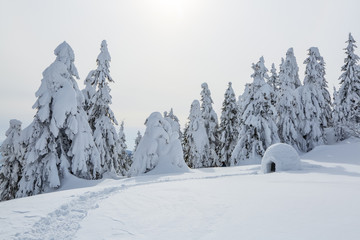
(170, 9)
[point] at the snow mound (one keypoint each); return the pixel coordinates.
(280, 157)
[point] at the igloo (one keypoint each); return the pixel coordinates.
(280, 157)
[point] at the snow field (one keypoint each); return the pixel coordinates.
(318, 202)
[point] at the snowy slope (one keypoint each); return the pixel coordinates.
(319, 202)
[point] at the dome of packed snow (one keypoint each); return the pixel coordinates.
(280, 157)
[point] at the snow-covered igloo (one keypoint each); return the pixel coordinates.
(280, 157)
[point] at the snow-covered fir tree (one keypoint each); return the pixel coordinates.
(89, 92)
(326, 105)
(11, 161)
(289, 109)
(347, 103)
(313, 103)
(137, 141)
(59, 139)
(124, 158)
(258, 130)
(174, 121)
(159, 147)
(289, 102)
(101, 117)
(336, 114)
(273, 81)
(196, 142)
(229, 126)
(211, 125)
(291, 68)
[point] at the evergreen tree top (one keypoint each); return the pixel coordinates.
(195, 110)
(122, 127)
(65, 54)
(103, 62)
(172, 116)
(206, 94)
(350, 67)
(315, 52)
(204, 85)
(289, 71)
(315, 69)
(229, 93)
(99, 101)
(139, 134)
(260, 72)
(206, 104)
(293, 66)
(352, 58)
(273, 80)
(229, 106)
(351, 39)
(273, 69)
(290, 53)
(104, 57)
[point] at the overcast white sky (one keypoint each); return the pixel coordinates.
(162, 50)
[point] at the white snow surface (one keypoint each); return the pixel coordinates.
(321, 201)
(283, 155)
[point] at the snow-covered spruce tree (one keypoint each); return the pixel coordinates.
(137, 141)
(326, 116)
(291, 68)
(159, 148)
(229, 127)
(124, 158)
(101, 117)
(336, 114)
(11, 162)
(289, 109)
(273, 81)
(196, 142)
(89, 92)
(211, 125)
(259, 130)
(347, 104)
(59, 139)
(313, 102)
(174, 121)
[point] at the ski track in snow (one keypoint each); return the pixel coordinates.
(64, 222)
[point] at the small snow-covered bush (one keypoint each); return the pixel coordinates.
(280, 157)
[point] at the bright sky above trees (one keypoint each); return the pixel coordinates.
(162, 50)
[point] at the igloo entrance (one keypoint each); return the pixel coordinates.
(272, 167)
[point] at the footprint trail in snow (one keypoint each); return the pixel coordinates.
(64, 222)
